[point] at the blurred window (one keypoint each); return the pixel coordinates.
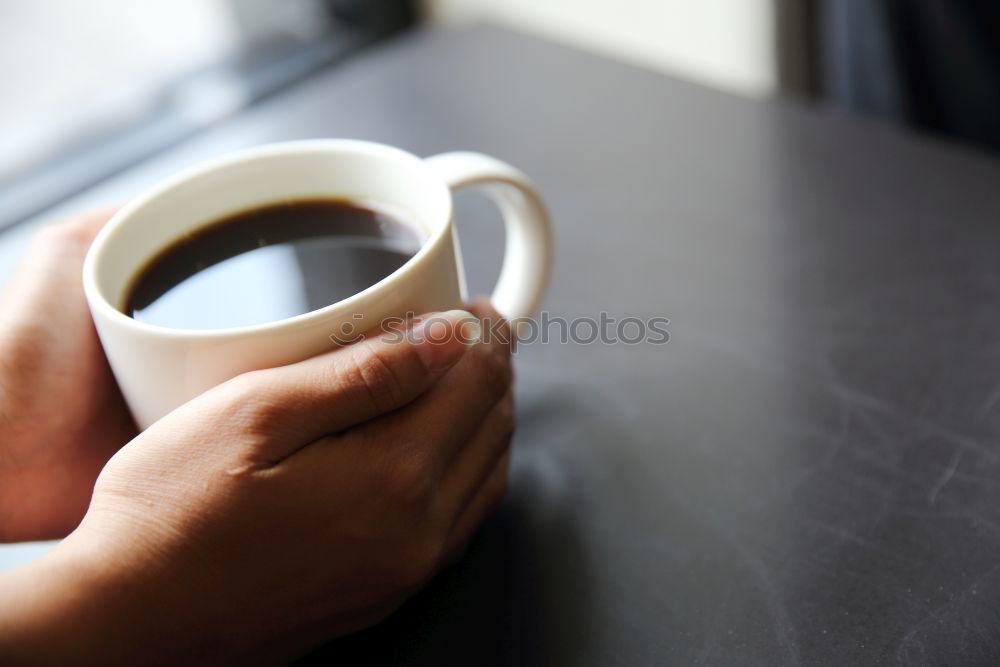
(92, 87)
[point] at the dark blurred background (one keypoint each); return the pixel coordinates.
(90, 88)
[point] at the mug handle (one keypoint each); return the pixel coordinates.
(528, 252)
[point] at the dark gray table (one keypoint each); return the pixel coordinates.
(809, 472)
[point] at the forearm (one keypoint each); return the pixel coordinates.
(43, 615)
(69, 608)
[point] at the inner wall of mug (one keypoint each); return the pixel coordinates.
(396, 180)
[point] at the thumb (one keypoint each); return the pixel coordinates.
(352, 384)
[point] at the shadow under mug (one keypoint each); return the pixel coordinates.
(159, 368)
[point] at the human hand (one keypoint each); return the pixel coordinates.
(280, 509)
(61, 414)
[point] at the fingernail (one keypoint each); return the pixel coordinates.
(469, 331)
(442, 338)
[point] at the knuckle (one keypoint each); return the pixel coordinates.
(506, 421)
(496, 487)
(409, 483)
(495, 372)
(417, 561)
(72, 233)
(246, 403)
(502, 327)
(501, 422)
(57, 230)
(382, 610)
(372, 371)
(409, 486)
(506, 427)
(498, 490)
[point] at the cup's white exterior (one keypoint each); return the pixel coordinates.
(159, 368)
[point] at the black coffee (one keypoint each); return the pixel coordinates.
(269, 263)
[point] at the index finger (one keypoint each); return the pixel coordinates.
(443, 419)
(299, 403)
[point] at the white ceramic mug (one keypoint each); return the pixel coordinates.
(159, 368)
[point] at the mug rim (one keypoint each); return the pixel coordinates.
(98, 246)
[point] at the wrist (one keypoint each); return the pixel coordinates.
(82, 605)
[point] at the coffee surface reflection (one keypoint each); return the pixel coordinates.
(270, 263)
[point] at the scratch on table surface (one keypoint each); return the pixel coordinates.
(861, 401)
(945, 477)
(712, 643)
(912, 641)
(925, 425)
(991, 402)
(781, 621)
(977, 519)
(827, 375)
(845, 535)
(834, 443)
